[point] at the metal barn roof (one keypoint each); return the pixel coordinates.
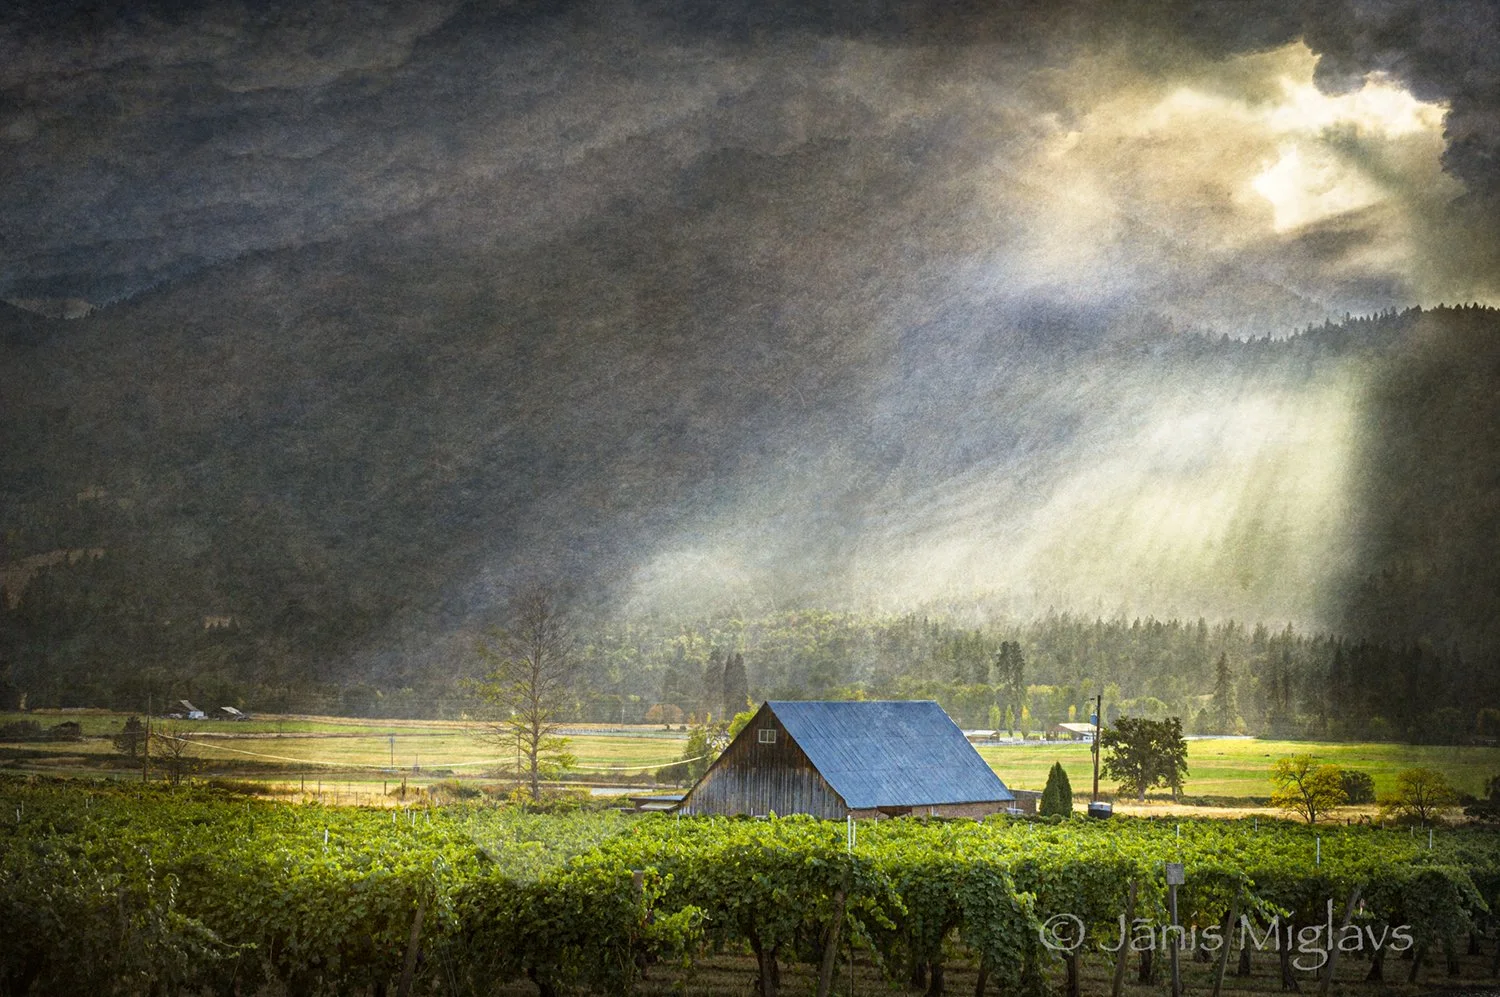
(890, 754)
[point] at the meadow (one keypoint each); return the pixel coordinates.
(339, 759)
(1239, 768)
(303, 753)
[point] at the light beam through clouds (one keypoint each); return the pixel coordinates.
(1244, 164)
(1173, 495)
(786, 302)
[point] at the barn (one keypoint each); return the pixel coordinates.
(839, 759)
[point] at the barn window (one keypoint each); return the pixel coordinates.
(767, 735)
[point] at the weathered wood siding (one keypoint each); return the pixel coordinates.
(756, 779)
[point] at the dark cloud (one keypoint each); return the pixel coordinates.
(786, 289)
(1441, 51)
(145, 146)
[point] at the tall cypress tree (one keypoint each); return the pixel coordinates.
(736, 686)
(1057, 798)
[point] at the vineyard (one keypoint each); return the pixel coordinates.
(123, 889)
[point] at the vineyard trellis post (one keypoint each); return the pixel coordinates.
(831, 942)
(1119, 980)
(409, 967)
(1231, 918)
(1333, 947)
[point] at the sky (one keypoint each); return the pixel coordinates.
(1308, 158)
(682, 292)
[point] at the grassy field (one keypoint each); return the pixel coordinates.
(1240, 767)
(361, 756)
(367, 755)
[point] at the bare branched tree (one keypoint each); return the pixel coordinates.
(170, 746)
(529, 685)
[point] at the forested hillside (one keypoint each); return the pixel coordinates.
(167, 538)
(1026, 677)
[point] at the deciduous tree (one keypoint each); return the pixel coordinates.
(530, 682)
(1422, 794)
(1358, 786)
(1305, 788)
(1144, 753)
(170, 746)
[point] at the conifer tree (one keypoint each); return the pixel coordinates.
(736, 686)
(1057, 798)
(1226, 707)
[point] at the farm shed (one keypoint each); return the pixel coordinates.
(1028, 801)
(837, 759)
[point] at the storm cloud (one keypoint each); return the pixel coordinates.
(839, 304)
(142, 148)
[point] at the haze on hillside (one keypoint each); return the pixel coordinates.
(336, 326)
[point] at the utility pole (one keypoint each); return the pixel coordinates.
(1098, 722)
(146, 752)
(392, 739)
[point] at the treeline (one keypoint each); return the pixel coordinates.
(1021, 677)
(1227, 677)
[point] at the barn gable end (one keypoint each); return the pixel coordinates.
(764, 771)
(832, 759)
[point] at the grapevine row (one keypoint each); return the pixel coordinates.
(135, 890)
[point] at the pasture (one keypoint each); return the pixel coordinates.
(1239, 768)
(365, 756)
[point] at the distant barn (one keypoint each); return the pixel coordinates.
(838, 759)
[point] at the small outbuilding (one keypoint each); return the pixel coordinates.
(841, 759)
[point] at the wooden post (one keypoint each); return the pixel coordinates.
(1333, 943)
(1119, 980)
(410, 967)
(1230, 920)
(831, 945)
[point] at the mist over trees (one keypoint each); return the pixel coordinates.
(171, 569)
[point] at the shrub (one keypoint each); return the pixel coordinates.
(665, 714)
(453, 791)
(1359, 786)
(21, 730)
(242, 787)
